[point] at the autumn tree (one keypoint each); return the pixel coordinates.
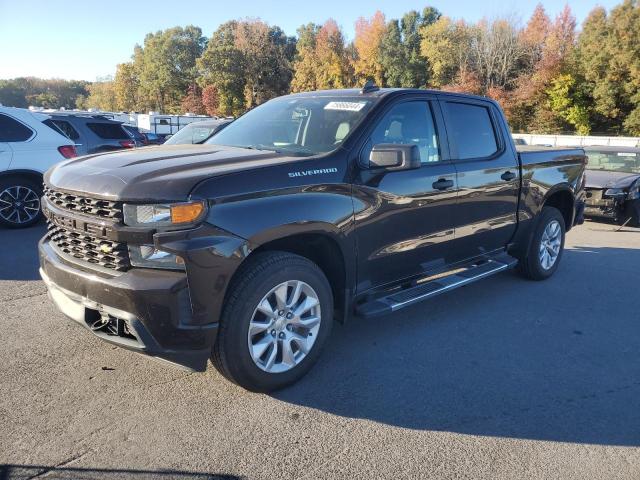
(367, 42)
(446, 46)
(211, 100)
(126, 85)
(248, 62)
(102, 95)
(322, 59)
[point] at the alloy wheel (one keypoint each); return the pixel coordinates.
(284, 326)
(550, 245)
(19, 204)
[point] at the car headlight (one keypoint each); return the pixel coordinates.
(163, 215)
(615, 192)
(150, 257)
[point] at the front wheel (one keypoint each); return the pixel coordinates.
(276, 319)
(547, 245)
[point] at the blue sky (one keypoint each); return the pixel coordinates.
(85, 39)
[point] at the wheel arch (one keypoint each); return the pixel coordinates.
(561, 198)
(31, 174)
(323, 249)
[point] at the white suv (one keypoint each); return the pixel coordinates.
(29, 145)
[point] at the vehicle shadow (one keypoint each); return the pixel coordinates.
(24, 472)
(19, 252)
(506, 357)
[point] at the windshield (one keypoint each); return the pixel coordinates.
(626, 162)
(192, 133)
(301, 126)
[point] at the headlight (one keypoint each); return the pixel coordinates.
(163, 215)
(150, 257)
(615, 192)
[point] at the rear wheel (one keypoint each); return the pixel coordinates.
(276, 319)
(547, 245)
(19, 202)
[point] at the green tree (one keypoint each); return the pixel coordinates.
(608, 56)
(393, 56)
(165, 66)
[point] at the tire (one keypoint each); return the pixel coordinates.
(631, 214)
(533, 265)
(261, 279)
(19, 202)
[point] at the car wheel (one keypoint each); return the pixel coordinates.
(632, 214)
(547, 245)
(19, 202)
(277, 317)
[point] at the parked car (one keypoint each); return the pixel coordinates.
(613, 184)
(310, 207)
(154, 138)
(197, 132)
(29, 145)
(93, 133)
(139, 138)
(519, 141)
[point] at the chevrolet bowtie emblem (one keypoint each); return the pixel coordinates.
(106, 248)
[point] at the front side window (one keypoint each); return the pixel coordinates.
(13, 131)
(471, 130)
(408, 123)
(626, 162)
(300, 126)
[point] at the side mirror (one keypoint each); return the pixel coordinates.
(391, 156)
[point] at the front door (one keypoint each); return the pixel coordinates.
(488, 177)
(404, 219)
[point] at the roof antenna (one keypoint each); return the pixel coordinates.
(369, 86)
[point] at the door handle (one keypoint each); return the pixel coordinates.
(508, 176)
(442, 184)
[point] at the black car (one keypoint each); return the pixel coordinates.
(198, 132)
(309, 208)
(93, 133)
(613, 183)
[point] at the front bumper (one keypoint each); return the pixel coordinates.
(149, 311)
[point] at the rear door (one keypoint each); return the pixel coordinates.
(404, 219)
(488, 176)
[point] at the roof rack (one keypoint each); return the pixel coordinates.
(369, 87)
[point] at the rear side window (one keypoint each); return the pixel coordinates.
(67, 129)
(471, 130)
(13, 131)
(108, 131)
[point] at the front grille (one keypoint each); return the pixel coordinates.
(90, 249)
(70, 202)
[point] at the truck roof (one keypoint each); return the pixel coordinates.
(381, 92)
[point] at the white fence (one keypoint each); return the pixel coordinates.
(577, 141)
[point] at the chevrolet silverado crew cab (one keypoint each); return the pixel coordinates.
(310, 208)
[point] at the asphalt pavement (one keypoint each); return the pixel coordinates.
(502, 379)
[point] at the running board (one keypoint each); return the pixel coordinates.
(428, 289)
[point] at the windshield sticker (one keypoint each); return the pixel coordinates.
(627, 154)
(346, 106)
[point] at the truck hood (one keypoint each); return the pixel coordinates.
(162, 173)
(609, 179)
